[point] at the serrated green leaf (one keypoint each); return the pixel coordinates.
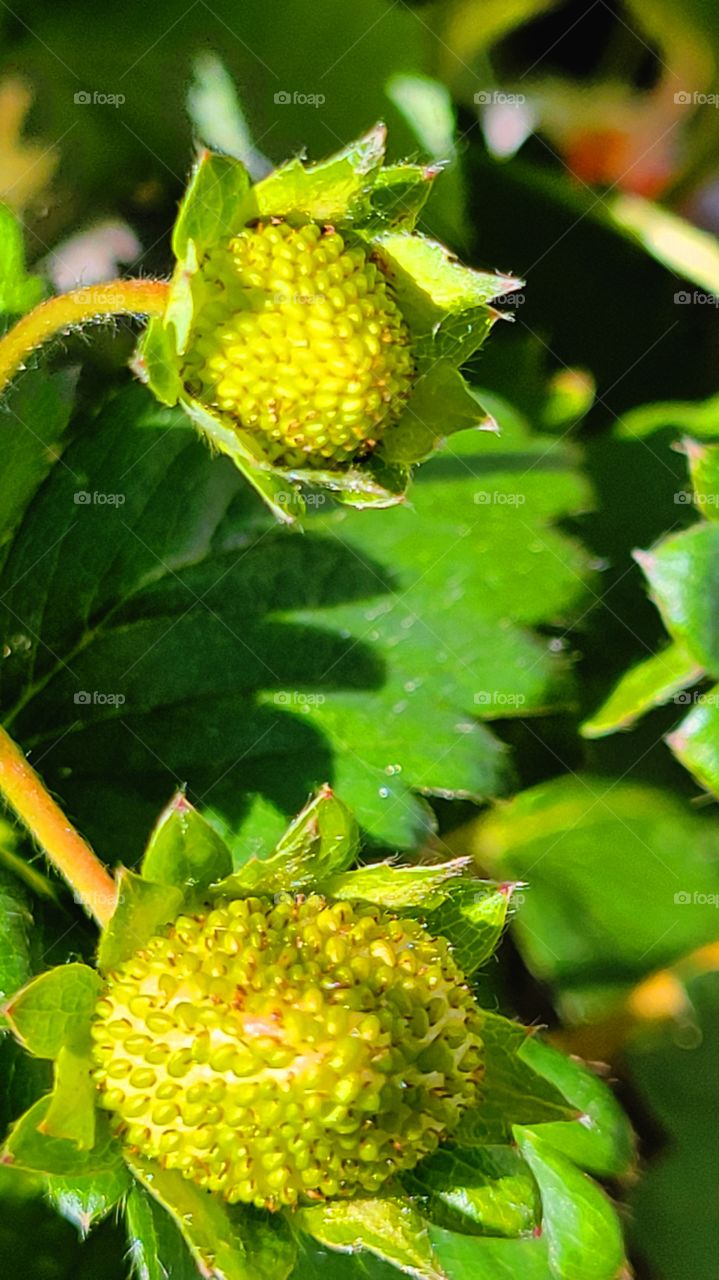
(601, 1139)
(54, 1010)
(332, 191)
(142, 909)
(215, 627)
(683, 574)
(18, 290)
(388, 1227)
(184, 850)
(89, 1199)
(583, 1234)
(241, 1244)
(478, 1190)
(157, 1249)
(396, 887)
(15, 928)
(512, 1092)
(27, 1147)
(650, 684)
(72, 1112)
(215, 205)
(473, 917)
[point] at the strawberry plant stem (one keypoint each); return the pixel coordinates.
(25, 793)
(119, 297)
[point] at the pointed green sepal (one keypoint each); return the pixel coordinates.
(54, 1010)
(430, 281)
(143, 908)
(512, 1091)
(397, 888)
(583, 1233)
(215, 205)
(335, 190)
(72, 1112)
(442, 404)
(237, 1244)
(389, 1227)
(184, 850)
(27, 1147)
(472, 917)
(323, 839)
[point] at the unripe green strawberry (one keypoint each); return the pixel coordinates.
(278, 1049)
(297, 338)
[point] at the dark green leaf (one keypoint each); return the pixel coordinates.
(185, 638)
(33, 416)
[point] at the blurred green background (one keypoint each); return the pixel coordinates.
(565, 129)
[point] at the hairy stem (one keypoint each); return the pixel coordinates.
(26, 795)
(119, 297)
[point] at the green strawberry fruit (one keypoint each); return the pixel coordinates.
(279, 1049)
(299, 340)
